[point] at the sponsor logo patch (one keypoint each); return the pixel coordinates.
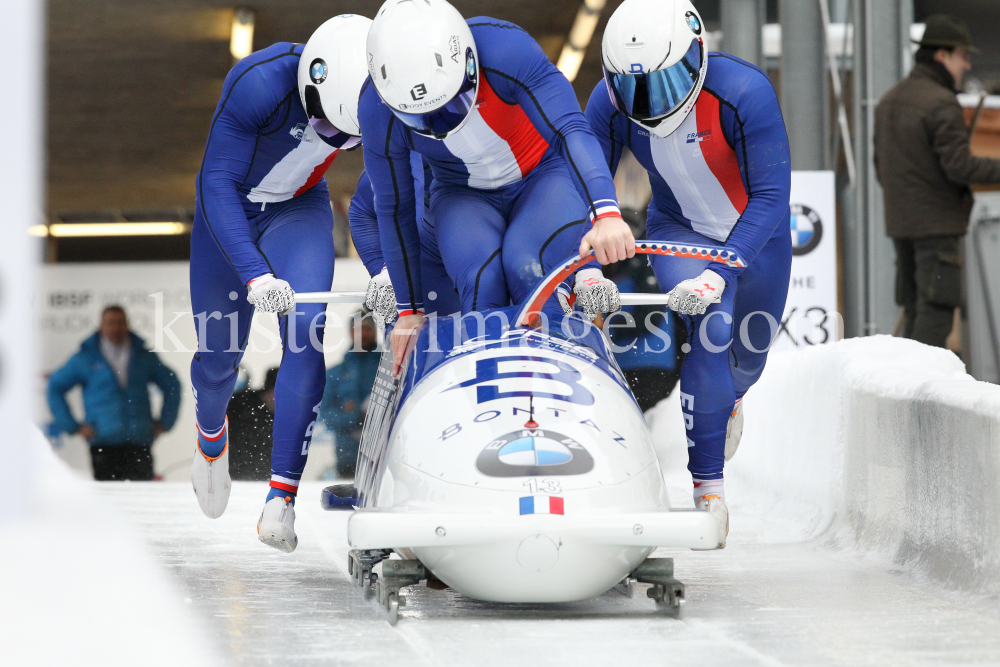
(693, 22)
(318, 71)
(695, 137)
(806, 228)
(528, 452)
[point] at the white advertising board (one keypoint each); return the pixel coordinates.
(811, 316)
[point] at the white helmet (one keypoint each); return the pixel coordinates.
(331, 73)
(655, 61)
(423, 62)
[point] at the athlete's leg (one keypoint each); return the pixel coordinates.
(470, 230)
(300, 252)
(222, 324)
(440, 295)
(761, 292)
(708, 392)
(547, 221)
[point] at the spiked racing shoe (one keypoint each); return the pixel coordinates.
(210, 475)
(734, 430)
(715, 506)
(276, 526)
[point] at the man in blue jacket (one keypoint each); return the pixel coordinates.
(348, 386)
(115, 369)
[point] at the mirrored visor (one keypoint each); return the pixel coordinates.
(443, 120)
(651, 95)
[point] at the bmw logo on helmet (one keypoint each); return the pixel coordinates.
(530, 452)
(693, 22)
(318, 70)
(807, 229)
(470, 65)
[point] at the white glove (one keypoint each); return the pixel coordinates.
(381, 298)
(270, 295)
(595, 293)
(695, 295)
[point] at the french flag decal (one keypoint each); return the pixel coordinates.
(541, 505)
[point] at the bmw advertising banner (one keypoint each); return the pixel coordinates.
(811, 310)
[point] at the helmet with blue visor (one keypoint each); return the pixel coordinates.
(655, 62)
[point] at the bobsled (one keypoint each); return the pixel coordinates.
(510, 460)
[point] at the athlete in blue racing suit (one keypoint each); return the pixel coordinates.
(262, 208)
(514, 190)
(721, 179)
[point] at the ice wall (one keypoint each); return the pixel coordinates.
(80, 588)
(880, 443)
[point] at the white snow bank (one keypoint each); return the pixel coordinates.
(882, 442)
(78, 589)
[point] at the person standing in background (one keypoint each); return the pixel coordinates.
(925, 166)
(115, 370)
(348, 386)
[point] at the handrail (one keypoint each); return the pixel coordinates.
(548, 285)
(528, 314)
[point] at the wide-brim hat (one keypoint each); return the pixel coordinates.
(945, 31)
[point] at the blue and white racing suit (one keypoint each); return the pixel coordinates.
(514, 189)
(440, 296)
(262, 207)
(721, 179)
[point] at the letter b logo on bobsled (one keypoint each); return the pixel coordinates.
(488, 371)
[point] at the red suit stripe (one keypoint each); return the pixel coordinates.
(513, 126)
(721, 159)
(317, 173)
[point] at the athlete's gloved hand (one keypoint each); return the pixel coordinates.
(565, 298)
(695, 295)
(595, 293)
(270, 295)
(381, 298)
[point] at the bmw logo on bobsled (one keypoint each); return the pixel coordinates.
(512, 463)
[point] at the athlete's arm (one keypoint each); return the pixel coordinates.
(364, 226)
(247, 101)
(604, 118)
(387, 161)
(757, 133)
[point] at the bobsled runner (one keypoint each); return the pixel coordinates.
(509, 460)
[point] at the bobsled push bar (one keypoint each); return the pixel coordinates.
(563, 271)
(627, 299)
(533, 306)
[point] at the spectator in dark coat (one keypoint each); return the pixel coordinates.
(115, 370)
(345, 400)
(923, 162)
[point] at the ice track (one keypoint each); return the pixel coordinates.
(754, 603)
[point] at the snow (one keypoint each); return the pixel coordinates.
(80, 588)
(865, 511)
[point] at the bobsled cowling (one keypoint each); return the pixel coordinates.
(515, 464)
(511, 458)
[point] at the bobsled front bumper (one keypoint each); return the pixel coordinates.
(531, 558)
(397, 529)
